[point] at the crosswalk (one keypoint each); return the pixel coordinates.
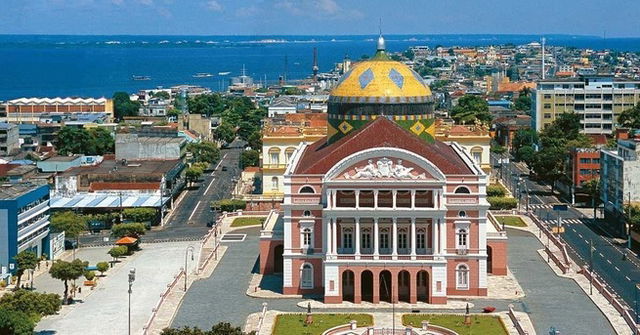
(540, 206)
(553, 222)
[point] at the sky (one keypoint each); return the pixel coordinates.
(615, 18)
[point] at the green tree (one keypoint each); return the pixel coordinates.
(103, 141)
(206, 104)
(630, 118)
(96, 141)
(498, 149)
(140, 214)
(221, 328)
(224, 133)
(526, 154)
(26, 260)
(409, 54)
(522, 138)
(89, 275)
(70, 223)
(67, 271)
(123, 106)
(471, 108)
(249, 158)
(134, 229)
(117, 252)
(15, 323)
(205, 151)
(255, 141)
(174, 112)
(102, 267)
(592, 188)
(523, 102)
(548, 163)
(162, 95)
(35, 304)
(291, 91)
(193, 174)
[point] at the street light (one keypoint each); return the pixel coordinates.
(186, 253)
(132, 278)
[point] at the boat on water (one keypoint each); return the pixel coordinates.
(223, 73)
(202, 75)
(134, 77)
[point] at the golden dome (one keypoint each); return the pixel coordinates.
(380, 80)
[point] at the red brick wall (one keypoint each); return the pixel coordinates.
(267, 254)
(498, 256)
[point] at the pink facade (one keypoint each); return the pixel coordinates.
(384, 216)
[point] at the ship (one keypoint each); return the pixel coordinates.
(223, 73)
(134, 77)
(202, 75)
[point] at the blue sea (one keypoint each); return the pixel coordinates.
(95, 66)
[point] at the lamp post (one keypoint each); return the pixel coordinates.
(132, 278)
(186, 253)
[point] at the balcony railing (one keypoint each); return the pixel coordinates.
(274, 166)
(306, 198)
(32, 211)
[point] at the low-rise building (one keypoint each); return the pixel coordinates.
(9, 139)
(155, 107)
(620, 184)
(24, 223)
(29, 110)
(507, 127)
(584, 164)
(163, 143)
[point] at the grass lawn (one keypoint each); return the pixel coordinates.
(243, 222)
(294, 323)
(480, 324)
(515, 221)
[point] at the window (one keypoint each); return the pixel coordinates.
(288, 153)
(585, 160)
(462, 214)
(547, 115)
(547, 106)
(306, 276)
(547, 96)
(585, 172)
(402, 239)
(306, 213)
(274, 156)
(421, 239)
(595, 161)
(306, 238)
(274, 183)
(462, 235)
(384, 239)
(347, 238)
(462, 277)
(462, 190)
(366, 240)
(307, 189)
(477, 157)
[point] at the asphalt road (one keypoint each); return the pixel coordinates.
(611, 260)
(188, 220)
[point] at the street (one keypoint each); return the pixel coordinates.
(611, 260)
(188, 219)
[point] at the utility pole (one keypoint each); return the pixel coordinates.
(591, 267)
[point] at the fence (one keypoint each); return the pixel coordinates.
(263, 314)
(620, 306)
(516, 322)
(163, 296)
(563, 264)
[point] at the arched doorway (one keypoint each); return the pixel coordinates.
(348, 281)
(489, 259)
(422, 287)
(366, 286)
(404, 283)
(277, 258)
(385, 286)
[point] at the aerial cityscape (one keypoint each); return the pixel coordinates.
(319, 167)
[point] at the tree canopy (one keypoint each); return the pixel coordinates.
(204, 152)
(469, 109)
(221, 328)
(134, 229)
(26, 260)
(123, 106)
(224, 133)
(14, 322)
(69, 222)
(523, 102)
(249, 158)
(630, 118)
(35, 304)
(95, 141)
(66, 271)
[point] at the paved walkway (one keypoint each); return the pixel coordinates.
(105, 309)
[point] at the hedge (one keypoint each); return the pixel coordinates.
(228, 205)
(498, 203)
(496, 190)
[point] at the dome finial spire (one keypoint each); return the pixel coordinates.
(381, 44)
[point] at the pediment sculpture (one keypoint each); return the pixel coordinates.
(384, 168)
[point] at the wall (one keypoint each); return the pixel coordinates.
(499, 256)
(129, 146)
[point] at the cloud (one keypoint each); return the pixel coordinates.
(146, 2)
(312, 8)
(247, 11)
(214, 6)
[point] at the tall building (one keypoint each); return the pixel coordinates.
(598, 100)
(620, 184)
(383, 211)
(9, 139)
(24, 222)
(29, 110)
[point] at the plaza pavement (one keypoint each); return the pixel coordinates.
(104, 310)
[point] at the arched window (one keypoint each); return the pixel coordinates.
(347, 238)
(306, 276)
(403, 238)
(288, 153)
(462, 190)
(421, 239)
(462, 238)
(476, 154)
(274, 156)
(462, 214)
(274, 184)
(306, 238)
(306, 213)
(307, 189)
(462, 277)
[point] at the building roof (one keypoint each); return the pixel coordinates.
(319, 157)
(57, 101)
(110, 186)
(107, 200)
(132, 167)
(12, 191)
(61, 158)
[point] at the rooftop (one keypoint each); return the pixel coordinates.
(12, 191)
(132, 167)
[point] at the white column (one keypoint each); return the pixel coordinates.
(376, 237)
(333, 198)
(357, 236)
(329, 200)
(325, 237)
(394, 231)
(413, 236)
(357, 192)
(375, 199)
(334, 236)
(443, 235)
(434, 237)
(394, 195)
(413, 198)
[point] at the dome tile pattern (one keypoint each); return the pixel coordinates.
(397, 78)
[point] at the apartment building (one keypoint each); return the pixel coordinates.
(598, 100)
(9, 139)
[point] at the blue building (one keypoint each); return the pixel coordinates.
(24, 222)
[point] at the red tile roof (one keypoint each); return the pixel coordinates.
(319, 157)
(100, 186)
